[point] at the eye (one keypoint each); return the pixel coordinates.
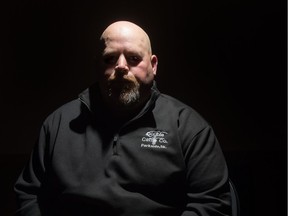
(109, 59)
(134, 60)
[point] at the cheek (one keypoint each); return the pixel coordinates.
(105, 75)
(108, 72)
(144, 75)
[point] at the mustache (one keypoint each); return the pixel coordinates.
(122, 81)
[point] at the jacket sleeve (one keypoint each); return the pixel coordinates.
(28, 184)
(208, 192)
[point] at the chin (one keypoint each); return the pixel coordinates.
(129, 99)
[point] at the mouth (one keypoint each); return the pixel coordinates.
(125, 82)
(123, 90)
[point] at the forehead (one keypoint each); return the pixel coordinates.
(124, 43)
(125, 38)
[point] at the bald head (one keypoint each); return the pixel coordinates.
(128, 66)
(127, 30)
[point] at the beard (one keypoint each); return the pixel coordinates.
(125, 91)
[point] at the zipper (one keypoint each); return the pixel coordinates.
(116, 136)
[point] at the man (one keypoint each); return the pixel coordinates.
(123, 148)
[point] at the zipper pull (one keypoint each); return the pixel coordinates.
(114, 147)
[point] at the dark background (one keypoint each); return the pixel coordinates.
(227, 59)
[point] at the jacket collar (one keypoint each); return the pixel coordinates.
(92, 98)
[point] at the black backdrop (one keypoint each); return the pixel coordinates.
(227, 59)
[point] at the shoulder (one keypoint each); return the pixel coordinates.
(64, 113)
(173, 102)
(183, 111)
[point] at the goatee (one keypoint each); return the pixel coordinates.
(124, 91)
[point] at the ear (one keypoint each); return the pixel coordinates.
(154, 63)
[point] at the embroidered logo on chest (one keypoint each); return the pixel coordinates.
(154, 139)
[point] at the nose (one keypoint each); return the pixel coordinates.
(121, 65)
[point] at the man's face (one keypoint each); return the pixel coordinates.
(129, 68)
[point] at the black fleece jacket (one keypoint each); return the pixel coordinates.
(165, 161)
